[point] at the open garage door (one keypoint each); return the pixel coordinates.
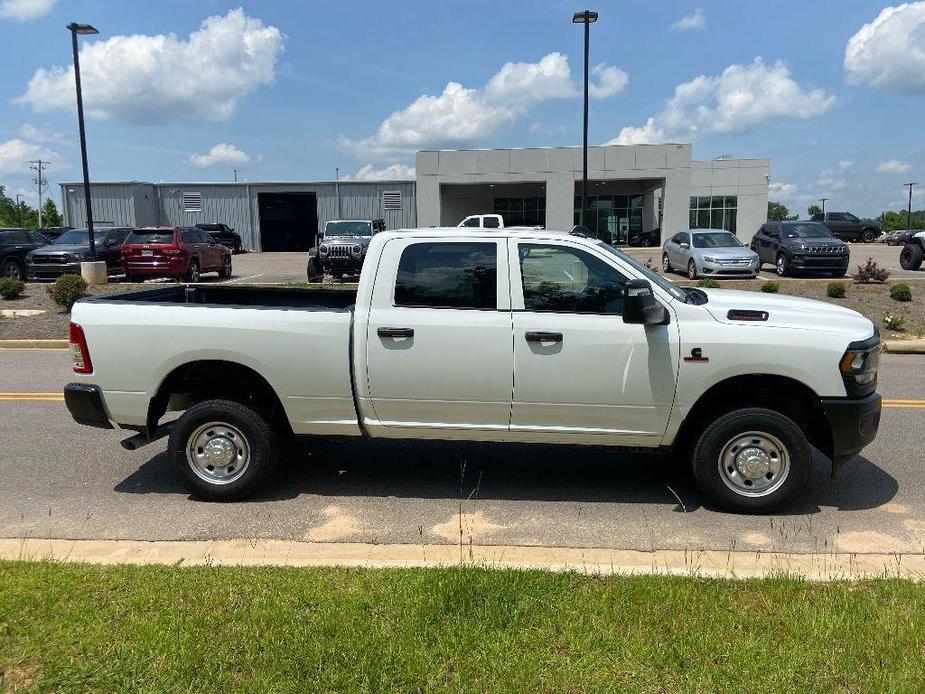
(288, 221)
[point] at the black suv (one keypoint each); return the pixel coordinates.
(847, 227)
(806, 246)
(224, 235)
(15, 244)
(73, 248)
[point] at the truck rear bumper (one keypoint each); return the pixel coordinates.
(85, 403)
(854, 424)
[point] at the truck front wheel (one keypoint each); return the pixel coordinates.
(222, 451)
(752, 460)
(910, 257)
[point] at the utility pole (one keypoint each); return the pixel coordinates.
(235, 175)
(909, 210)
(337, 189)
(822, 200)
(39, 167)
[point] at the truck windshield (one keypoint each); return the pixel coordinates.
(653, 277)
(154, 236)
(716, 239)
(76, 237)
(348, 229)
(805, 230)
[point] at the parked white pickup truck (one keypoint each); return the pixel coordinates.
(531, 336)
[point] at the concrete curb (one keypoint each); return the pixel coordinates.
(242, 552)
(915, 346)
(33, 344)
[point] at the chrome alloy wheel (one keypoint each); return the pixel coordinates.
(218, 453)
(754, 464)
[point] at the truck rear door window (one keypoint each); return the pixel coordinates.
(448, 275)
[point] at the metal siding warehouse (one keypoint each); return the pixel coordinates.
(239, 205)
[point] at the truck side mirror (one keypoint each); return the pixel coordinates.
(640, 305)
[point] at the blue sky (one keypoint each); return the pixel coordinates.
(291, 90)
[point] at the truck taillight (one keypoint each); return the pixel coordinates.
(79, 352)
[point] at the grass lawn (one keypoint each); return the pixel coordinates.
(84, 627)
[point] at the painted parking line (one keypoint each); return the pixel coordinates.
(58, 397)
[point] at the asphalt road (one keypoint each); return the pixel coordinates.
(63, 480)
(290, 267)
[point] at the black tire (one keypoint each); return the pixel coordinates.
(868, 235)
(754, 424)
(782, 265)
(840, 273)
(242, 425)
(13, 269)
(691, 270)
(314, 272)
(666, 264)
(225, 271)
(192, 273)
(910, 257)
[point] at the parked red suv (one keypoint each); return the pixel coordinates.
(183, 253)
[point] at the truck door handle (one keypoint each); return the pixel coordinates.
(395, 332)
(540, 336)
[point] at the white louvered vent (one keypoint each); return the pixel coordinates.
(391, 200)
(192, 202)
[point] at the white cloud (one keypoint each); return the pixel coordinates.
(889, 52)
(16, 153)
(462, 116)
(830, 184)
(222, 153)
(694, 21)
(160, 79)
(781, 190)
(35, 133)
(742, 97)
(23, 10)
(393, 172)
(845, 164)
(893, 166)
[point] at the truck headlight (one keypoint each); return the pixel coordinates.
(357, 249)
(859, 366)
(709, 259)
(323, 250)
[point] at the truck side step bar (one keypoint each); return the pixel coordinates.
(141, 438)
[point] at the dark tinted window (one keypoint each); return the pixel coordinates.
(474, 222)
(36, 237)
(569, 280)
(189, 236)
(449, 275)
(491, 223)
(837, 217)
(15, 236)
(805, 230)
(117, 235)
(152, 236)
(204, 237)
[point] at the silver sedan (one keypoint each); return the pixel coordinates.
(709, 253)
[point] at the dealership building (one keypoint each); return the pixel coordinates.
(636, 194)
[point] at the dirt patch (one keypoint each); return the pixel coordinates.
(915, 524)
(893, 507)
(466, 528)
(338, 526)
(869, 541)
(757, 540)
(19, 678)
(50, 325)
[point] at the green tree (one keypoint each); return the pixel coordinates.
(893, 220)
(778, 212)
(813, 209)
(50, 215)
(7, 210)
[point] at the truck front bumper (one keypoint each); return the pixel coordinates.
(854, 424)
(85, 403)
(52, 270)
(346, 266)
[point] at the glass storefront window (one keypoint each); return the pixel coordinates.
(715, 212)
(528, 211)
(614, 218)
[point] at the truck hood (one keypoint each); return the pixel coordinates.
(789, 312)
(362, 240)
(814, 242)
(56, 249)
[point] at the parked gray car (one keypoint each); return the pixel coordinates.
(709, 253)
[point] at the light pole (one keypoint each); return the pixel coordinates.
(909, 211)
(337, 188)
(75, 29)
(822, 200)
(587, 18)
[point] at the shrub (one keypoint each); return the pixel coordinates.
(901, 292)
(871, 272)
(836, 290)
(67, 289)
(770, 287)
(11, 288)
(894, 322)
(708, 282)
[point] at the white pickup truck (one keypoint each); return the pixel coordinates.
(484, 335)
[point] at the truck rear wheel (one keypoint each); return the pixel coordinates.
(222, 451)
(752, 460)
(910, 257)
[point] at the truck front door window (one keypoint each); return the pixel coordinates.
(448, 275)
(561, 279)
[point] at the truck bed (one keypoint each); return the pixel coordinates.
(230, 296)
